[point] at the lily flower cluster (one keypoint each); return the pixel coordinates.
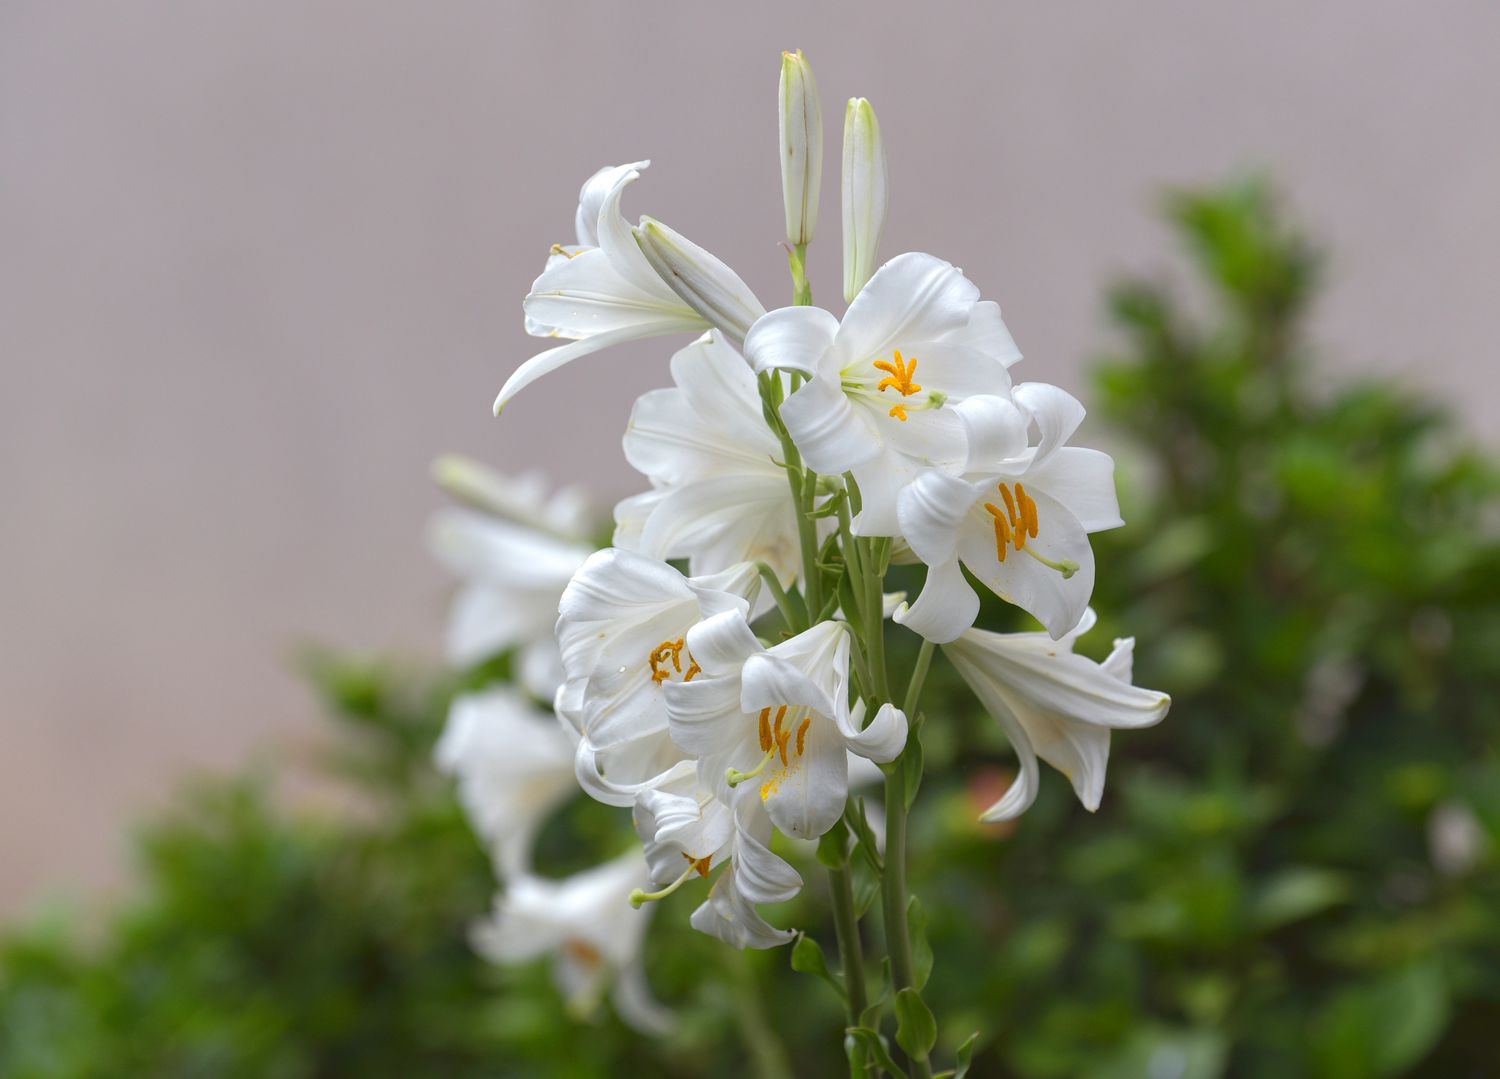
(720, 669)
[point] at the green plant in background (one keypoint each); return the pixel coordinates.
(1295, 876)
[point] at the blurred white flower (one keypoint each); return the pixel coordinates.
(588, 925)
(601, 292)
(513, 568)
(1054, 704)
(701, 280)
(718, 495)
(778, 718)
(513, 765)
(1456, 839)
(1019, 517)
(882, 382)
(622, 628)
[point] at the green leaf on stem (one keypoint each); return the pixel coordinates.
(911, 763)
(807, 958)
(921, 950)
(833, 847)
(875, 1045)
(916, 1029)
(866, 886)
(965, 1056)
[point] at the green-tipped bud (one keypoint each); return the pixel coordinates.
(865, 195)
(801, 127)
(702, 281)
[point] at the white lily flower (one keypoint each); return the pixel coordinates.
(1019, 517)
(513, 570)
(514, 766)
(800, 125)
(719, 497)
(1054, 704)
(688, 833)
(866, 194)
(525, 499)
(622, 628)
(587, 924)
(866, 407)
(602, 293)
(779, 717)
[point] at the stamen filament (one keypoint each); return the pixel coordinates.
(638, 896)
(734, 777)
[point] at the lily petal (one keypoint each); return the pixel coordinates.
(790, 339)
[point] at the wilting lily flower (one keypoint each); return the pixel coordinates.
(778, 718)
(514, 766)
(916, 341)
(622, 627)
(1054, 704)
(1019, 517)
(688, 834)
(514, 553)
(719, 497)
(587, 924)
(865, 189)
(602, 295)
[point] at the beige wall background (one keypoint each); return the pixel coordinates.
(260, 262)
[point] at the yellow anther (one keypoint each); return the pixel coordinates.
(583, 952)
(899, 375)
(702, 865)
(1017, 523)
(671, 652)
(802, 736)
(559, 249)
(765, 731)
(1028, 510)
(899, 411)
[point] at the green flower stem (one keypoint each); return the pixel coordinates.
(918, 679)
(894, 894)
(851, 950)
(767, 1055)
(796, 258)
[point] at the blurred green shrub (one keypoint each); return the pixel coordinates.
(1294, 875)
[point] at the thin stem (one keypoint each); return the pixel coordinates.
(851, 952)
(918, 679)
(874, 618)
(894, 894)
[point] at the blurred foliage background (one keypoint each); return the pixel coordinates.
(1294, 875)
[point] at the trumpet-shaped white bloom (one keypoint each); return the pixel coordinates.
(718, 496)
(514, 766)
(622, 627)
(515, 553)
(1018, 518)
(587, 924)
(688, 833)
(778, 718)
(1054, 704)
(604, 291)
(916, 341)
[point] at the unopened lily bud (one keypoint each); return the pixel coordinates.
(702, 281)
(865, 196)
(801, 127)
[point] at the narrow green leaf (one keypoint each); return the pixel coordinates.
(921, 950)
(807, 958)
(833, 848)
(916, 1029)
(866, 887)
(965, 1056)
(911, 763)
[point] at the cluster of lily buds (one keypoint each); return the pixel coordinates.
(672, 694)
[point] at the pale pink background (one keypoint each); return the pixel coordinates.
(260, 262)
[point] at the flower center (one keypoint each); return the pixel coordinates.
(1017, 523)
(899, 376)
(666, 660)
(781, 737)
